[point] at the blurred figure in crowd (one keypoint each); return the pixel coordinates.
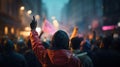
(107, 56)
(116, 43)
(58, 55)
(85, 59)
(9, 57)
(31, 59)
(20, 47)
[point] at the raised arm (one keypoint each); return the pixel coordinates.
(37, 46)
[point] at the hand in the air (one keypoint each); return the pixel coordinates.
(33, 24)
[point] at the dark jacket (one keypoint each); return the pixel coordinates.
(31, 59)
(12, 59)
(52, 58)
(85, 59)
(106, 58)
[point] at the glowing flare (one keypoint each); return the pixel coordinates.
(22, 8)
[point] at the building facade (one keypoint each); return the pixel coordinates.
(9, 17)
(81, 13)
(111, 12)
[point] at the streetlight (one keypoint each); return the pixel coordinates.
(29, 12)
(22, 8)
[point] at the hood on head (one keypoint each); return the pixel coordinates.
(60, 40)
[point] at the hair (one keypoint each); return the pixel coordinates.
(75, 42)
(60, 40)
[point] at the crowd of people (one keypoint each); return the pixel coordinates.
(60, 51)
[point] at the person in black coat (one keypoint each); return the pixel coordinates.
(107, 56)
(31, 59)
(9, 57)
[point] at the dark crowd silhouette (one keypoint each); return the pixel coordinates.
(61, 51)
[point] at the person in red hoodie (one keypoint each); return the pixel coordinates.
(58, 55)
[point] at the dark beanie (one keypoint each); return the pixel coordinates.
(75, 42)
(60, 40)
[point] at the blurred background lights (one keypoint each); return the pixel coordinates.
(118, 24)
(12, 30)
(29, 12)
(38, 29)
(37, 17)
(27, 29)
(53, 17)
(56, 24)
(6, 30)
(22, 8)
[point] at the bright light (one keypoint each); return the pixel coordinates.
(115, 35)
(104, 28)
(22, 8)
(53, 17)
(44, 39)
(38, 29)
(27, 29)
(25, 33)
(90, 36)
(118, 24)
(56, 24)
(37, 17)
(29, 12)
(6, 30)
(12, 30)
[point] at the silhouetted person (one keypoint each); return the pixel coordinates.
(116, 44)
(82, 55)
(9, 57)
(31, 59)
(21, 47)
(107, 57)
(58, 55)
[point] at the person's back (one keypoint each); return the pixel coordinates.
(54, 57)
(85, 59)
(10, 58)
(58, 55)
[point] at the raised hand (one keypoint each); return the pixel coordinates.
(33, 24)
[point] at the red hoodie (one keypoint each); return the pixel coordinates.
(52, 58)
